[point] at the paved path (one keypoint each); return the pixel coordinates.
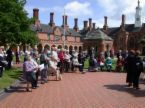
(90, 90)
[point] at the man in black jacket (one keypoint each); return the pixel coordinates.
(130, 65)
(138, 69)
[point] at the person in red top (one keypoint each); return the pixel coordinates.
(101, 61)
(120, 63)
(61, 62)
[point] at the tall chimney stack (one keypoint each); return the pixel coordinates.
(66, 19)
(76, 24)
(94, 26)
(36, 13)
(64, 23)
(123, 22)
(105, 27)
(51, 23)
(85, 25)
(90, 23)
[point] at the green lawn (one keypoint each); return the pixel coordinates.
(86, 64)
(9, 77)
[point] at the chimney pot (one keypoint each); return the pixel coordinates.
(90, 23)
(51, 23)
(105, 23)
(64, 20)
(123, 19)
(76, 24)
(94, 25)
(36, 13)
(85, 25)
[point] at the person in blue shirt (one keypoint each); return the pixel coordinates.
(108, 64)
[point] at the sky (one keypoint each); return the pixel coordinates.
(85, 9)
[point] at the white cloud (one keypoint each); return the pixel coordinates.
(77, 9)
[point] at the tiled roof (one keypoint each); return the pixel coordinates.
(113, 30)
(97, 34)
(132, 28)
(49, 30)
(128, 28)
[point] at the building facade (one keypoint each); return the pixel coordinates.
(125, 37)
(59, 36)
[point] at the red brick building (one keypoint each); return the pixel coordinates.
(59, 36)
(125, 37)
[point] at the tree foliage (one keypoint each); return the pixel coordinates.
(14, 23)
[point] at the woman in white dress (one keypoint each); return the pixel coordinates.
(53, 63)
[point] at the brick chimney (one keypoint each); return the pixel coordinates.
(123, 22)
(64, 22)
(105, 27)
(85, 25)
(90, 23)
(36, 17)
(76, 24)
(36, 13)
(51, 23)
(94, 26)
(66, 19)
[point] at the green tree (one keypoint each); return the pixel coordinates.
(14, 23)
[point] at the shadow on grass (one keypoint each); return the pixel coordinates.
(124, 88)
(17, 89)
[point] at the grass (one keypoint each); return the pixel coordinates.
(114, 60)
(9, 77)
(86, 64)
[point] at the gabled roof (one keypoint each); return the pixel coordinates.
(113, 30)
(97, 34)
(49, 30)
(132, 28)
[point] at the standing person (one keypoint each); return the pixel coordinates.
(67, 57)
(17, 54)
(61, 60)
(138, 70)
(73, 58)
(1, 62)
(29, 68)
(81, 60)
(54, 63)
(34, 53)
(9, 57)
(143, 76)
(130, 67)
(44, 59)
(36, 71)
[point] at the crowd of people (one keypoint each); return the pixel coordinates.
(53, 62)
(57, 61)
